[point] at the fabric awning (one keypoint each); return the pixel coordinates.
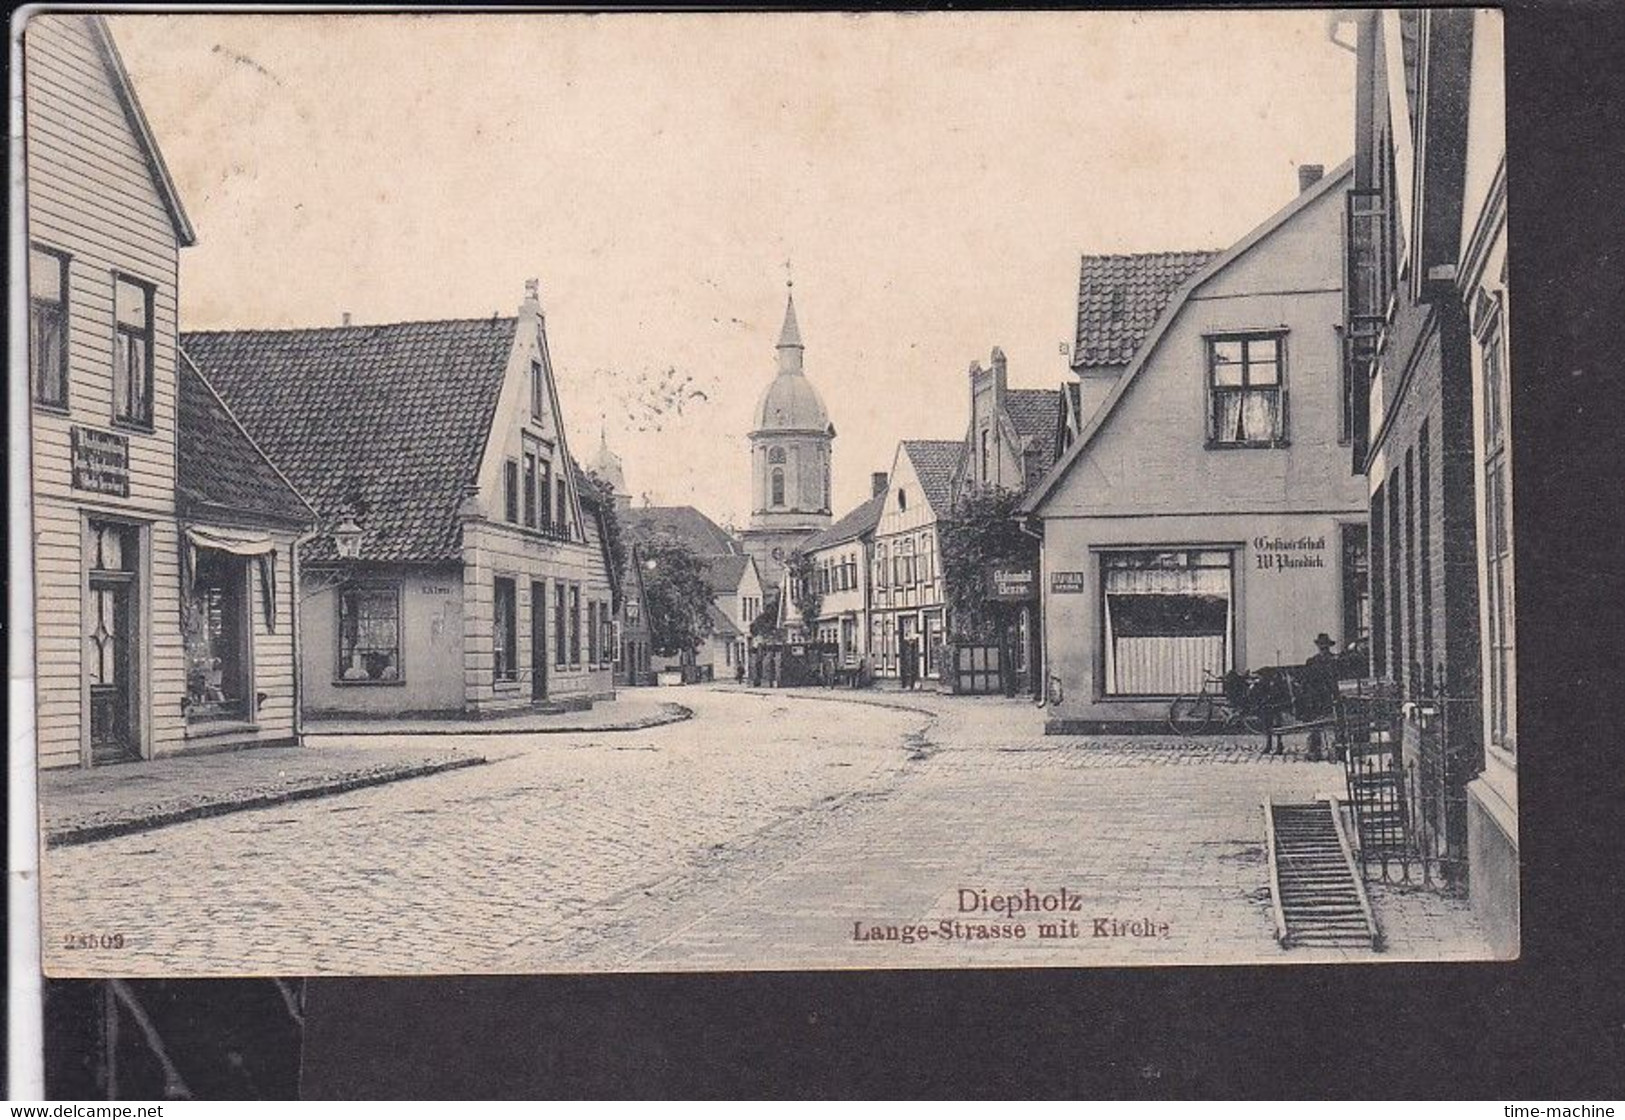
(230, 540)
(260, 546)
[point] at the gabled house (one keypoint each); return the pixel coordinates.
(908, 614)
(634, 650)
(1011, 442)
(842, 557)
(1011, 439)
(737, 585)
(1428, 360)
(164, 542)
(1205, 518)
(459, 568)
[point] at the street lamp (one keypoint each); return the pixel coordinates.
(347, 538)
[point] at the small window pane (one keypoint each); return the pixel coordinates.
(1263, 373)
(44, 276)
(1262, 350)
(1227, 362)
(131, 305)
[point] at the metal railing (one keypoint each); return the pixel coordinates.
(1407, 765)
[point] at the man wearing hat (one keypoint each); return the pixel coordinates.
(1320, 678)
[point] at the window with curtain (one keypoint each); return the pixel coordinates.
(1167, 620)
(505, 630)
(48, 325)
(369, 634)
(1246, 390)
(132, 351)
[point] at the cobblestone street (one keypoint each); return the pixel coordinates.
(755, 835)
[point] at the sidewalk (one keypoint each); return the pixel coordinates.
(80, 806)
(631, 710)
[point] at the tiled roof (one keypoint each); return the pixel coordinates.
(1120, 297)
(934, 462)
(1036, 413)
(703, 536)
(723, 573)
(392, 419)
(219, 472)
(859, 521)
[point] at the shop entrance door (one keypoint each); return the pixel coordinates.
(538, 641)
(110, 621)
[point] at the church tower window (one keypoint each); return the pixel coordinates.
(778, 486)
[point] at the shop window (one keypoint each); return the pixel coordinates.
(217, 623)
(505, 630)
(1168, 620)
(1246, 390)
(369, 635)
(132, 351)
(48, 325)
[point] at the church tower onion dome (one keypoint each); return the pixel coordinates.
(790, 403)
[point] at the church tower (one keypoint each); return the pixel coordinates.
(789, 459)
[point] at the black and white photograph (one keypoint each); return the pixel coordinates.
(518, 493)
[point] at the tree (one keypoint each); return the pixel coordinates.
(676, 597)
(983, 530)
(805, 594)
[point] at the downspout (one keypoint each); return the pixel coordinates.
(1025, 525)
(296, 609)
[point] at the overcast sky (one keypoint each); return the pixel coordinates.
(933, 179)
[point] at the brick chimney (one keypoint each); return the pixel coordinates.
(878, 481)
(1308, 175)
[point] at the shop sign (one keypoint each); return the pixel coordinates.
(101, 462)
(1011, 583)
(1067, 583)
(1281, 554)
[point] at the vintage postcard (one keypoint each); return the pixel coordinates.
(547, 492)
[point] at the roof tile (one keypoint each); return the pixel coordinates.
(218, 470)
(393, 418)
(934, 462)
(1120, 297)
